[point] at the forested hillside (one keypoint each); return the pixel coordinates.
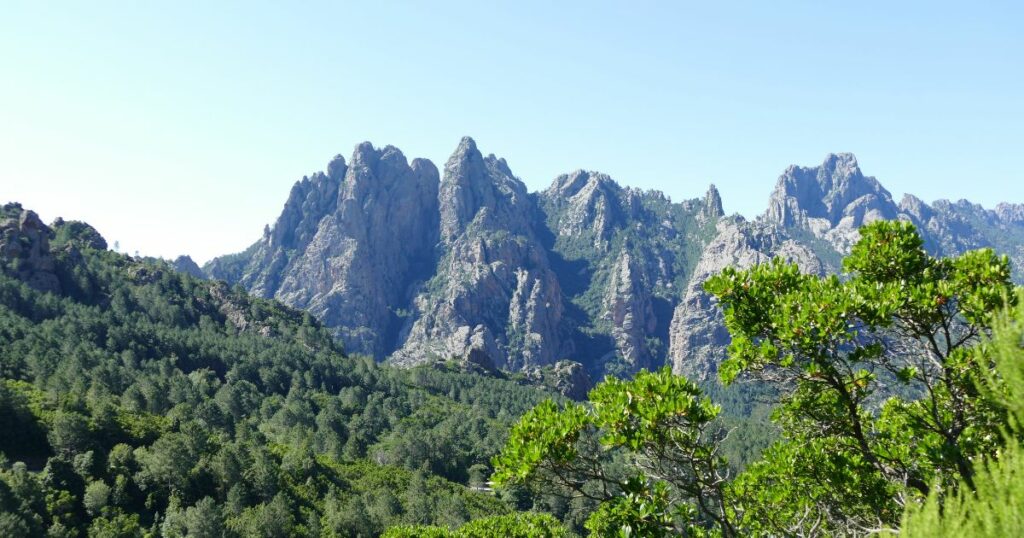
(136, 399)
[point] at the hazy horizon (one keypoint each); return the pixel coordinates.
(180, 130)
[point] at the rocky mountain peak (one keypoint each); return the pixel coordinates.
(424, 168)
(336, 168)
(499, 164)
(915, 207)
(841, 165)
(472, 182)
(831, 200)
(372, 171)
(825, 191)
(581, 182)
(466, 145)
(367, 250)
(587, 203)
(310, 200)
(365, 154)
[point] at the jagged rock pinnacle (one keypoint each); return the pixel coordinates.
(712, 204)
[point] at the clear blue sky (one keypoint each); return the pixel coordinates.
(179, 127)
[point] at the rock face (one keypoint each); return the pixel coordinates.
(349, 246)
(569, 378)
(712, 208)
(589, 208)
(624, 258)
(493, 299)
(830, 201)
(25, 248)
(698, 337)
(368, 253)
(262, 266)
(412, 267)
(629, 310)
(481, 191)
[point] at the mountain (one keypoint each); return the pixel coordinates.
(410, 267)
(350, 246)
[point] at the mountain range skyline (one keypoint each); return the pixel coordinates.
(691, 190)
(409, 261)
(682, 191)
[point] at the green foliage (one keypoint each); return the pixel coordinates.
(797, 481)
(96, 496)
(656, 425)
(24, 432)
(78, 233)
(640, 511)
(881, 368)
(1004, 383)
(526, 525)
(520, 525)
(992, 508)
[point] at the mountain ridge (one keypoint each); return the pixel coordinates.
(476, 268)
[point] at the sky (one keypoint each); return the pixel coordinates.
(179, 128)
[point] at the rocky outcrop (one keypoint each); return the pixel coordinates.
(349, 246)
(493, 298)
(25, 248)
(369, 251)
(950, 228)
(711, 209)
(830, 201)
(1010, 214)
(629, 310)
(568, 378)
(77, 232)
(262, 267)
(624, 257)
(481, 191)
(698, 338)
(185, 264)
(588, 207)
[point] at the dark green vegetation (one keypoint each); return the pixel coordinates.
(139, 400)
(992, 508)
(528, 524)
(893, 395)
